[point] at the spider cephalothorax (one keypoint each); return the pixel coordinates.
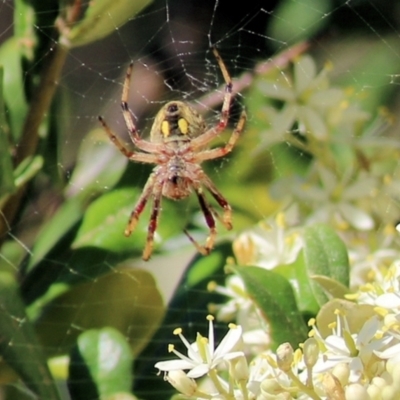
(178, 145)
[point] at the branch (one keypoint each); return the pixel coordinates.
(241, 83)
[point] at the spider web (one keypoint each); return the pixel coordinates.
(170, 44)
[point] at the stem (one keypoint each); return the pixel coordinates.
(41, 102)
(245, 80)
(300, 386)
(214, 378)
(243, 389)
(30, 132)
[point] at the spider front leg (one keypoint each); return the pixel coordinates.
(133, 133)
(208, 215)
(133, 156)
(223, 151)
(214, 131)
(125, 108)
(228, 91)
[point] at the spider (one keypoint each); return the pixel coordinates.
(177, 146)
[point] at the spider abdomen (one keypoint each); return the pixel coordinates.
(177, 190)
(177, 181)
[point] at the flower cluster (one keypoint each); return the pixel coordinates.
(354, 356)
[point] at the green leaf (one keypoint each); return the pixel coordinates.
(100, 364)
(295, 21)
(63, 266)
(332, 287)
(105, 221)
(27, 169)
(297, 274)
(375, 57)
(102, 18)
(325, 255)
(99, 166)
(23, 173)
(274, 297)
(201, 268)
(18, 345)
(88, 178)
(24, 26)
(7, 185)
(126, 299)
(13, 87)
(64, 219)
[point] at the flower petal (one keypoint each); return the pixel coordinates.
(173, 365)
(229, 341)
(198, 371)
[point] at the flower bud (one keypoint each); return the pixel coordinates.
(284, 357)
(356, 391)
(332, 387)
(180, 381)
(310, 352)
(239, 369)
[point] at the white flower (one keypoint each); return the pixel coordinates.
(310, 104)
(370, 254)
(202, 357)
(342, 200)
(239, 301)
(271, 243)
(355, 349)
(385, 290)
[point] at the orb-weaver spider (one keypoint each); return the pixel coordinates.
(177, 144)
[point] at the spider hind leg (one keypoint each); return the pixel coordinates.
(209, 217)
(220, 199)
(140, 205)
(148, 249)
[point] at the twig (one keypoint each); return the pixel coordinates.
(245, 80)
(30, 133)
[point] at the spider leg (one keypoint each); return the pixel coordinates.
(213, 132)
(140, 205)
(125, 108)
(208, 214)
(228, 88)
(153, 223)
(134, 156)
(227, 216)
(133, 133)
(222, 151)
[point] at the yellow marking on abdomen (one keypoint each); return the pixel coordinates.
(183, 126)
(165, 128)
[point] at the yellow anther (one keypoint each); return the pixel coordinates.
(177, 331)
